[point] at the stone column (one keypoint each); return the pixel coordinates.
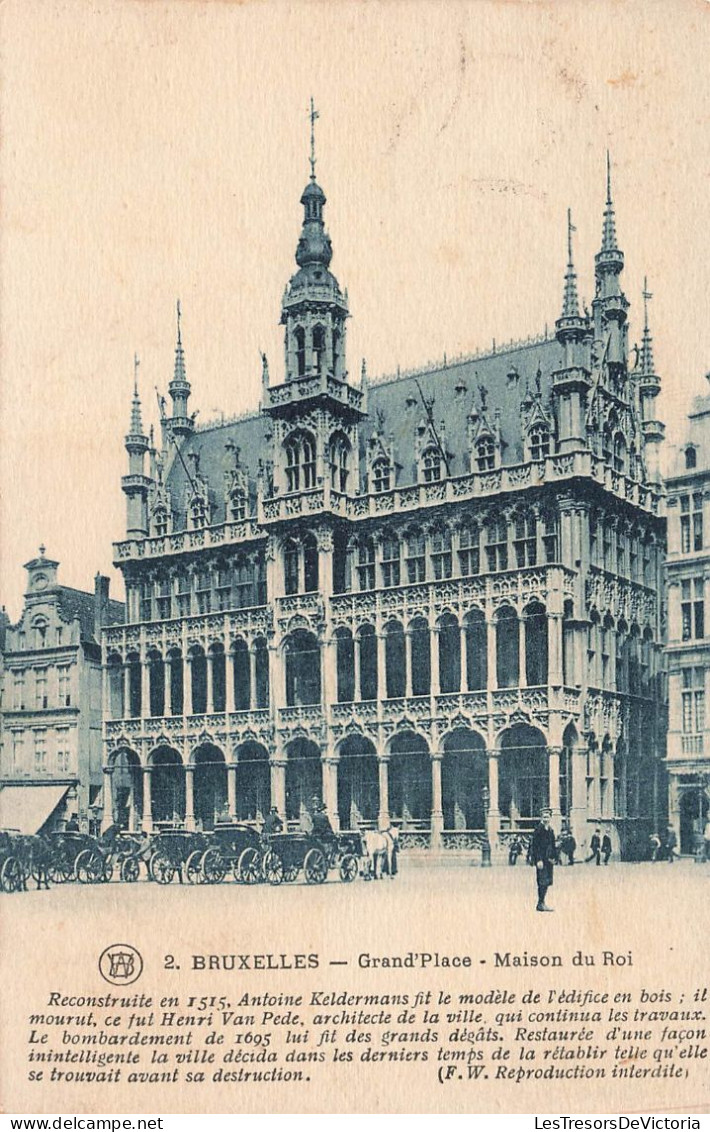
(232, 790)
(357, 691)
(190, 797)
(493, 802)
(330, 790)
(277, 671)
(278, 785)
(252, 677)
(578, 808)
(674, 807)
(554, 646)
(328, 669)
(107, 818)
(437, 812)
(491, 675)
(381, 667)
(147, 800)
(229, 680)
(209, 660)
(383, 817)
(126, 690)
(435, 661)
(463, 683)
(522, 675)
(168, 685)
(553, 761)
(187, 685)
(408, 664)
(145, 689)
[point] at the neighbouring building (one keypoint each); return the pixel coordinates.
(433, 599)
(50, 758)
(688, 582)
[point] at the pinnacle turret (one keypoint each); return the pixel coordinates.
(646, 363)
(179, 388)
(570, 299)
(609, 226)
(135, 437)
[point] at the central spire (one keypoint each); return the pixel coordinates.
(609, 228)
(314, 114)
(570, 300)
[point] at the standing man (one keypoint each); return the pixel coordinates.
(543, 854)
(671, 844)
(595, 849)
(606, 848)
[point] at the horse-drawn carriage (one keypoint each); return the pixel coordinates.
(289, 854)
(97, 862)
(170, 850)
(231, 847)
(11, 872)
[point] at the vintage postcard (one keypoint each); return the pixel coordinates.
(355, 464)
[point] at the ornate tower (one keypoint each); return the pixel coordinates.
(136, 484)
(610, 304)
(652, 429)
(316, 411)
(570, 384)
(179, 389)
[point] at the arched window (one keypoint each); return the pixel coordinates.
(395, 660)
(319, 348)
(345, 666)
(160, 521)
(469, 550)
(310, 564)
(691, 457)
(549, 536)
(431, 465)
(309, 462)
(300, 451)
(606, 445)
(176, 681)
(497, 544)
(366, 564)
(367, 641)
(535, 644)
(156, 677)
(485, 454)
(390, 561)
(241, 674)
(525, 538)
(300, 339)
(238, 505)
(381, 475)
(243, 582)
(302, 668)
(336, 353)
(261, 672)
(292, 449)
(441, 553)
(476, 651)
(449, 654)
(539, 441)
(416, 556)
(507, 648)
(219, 683)
(339, 456)
(291, 558)
(198, 511)
(198, 674)
(421, 657)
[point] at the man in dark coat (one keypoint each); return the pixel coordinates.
(606, 848)
(595, 848)
(543, 854)
(273, 823)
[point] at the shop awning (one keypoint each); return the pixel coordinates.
(26, 808)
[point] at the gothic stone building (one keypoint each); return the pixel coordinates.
(433, 600)
(51, 757)
(688, 576)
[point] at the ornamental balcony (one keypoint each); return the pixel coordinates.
(222, 728)
(314, 386)
(160, 546)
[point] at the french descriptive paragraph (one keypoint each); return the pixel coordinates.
(493, 1035)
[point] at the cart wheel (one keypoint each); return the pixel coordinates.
(161, 869)
(130, 869)
(193, 871)
(89, 867)
(107, 871)
(315, 866)
(273, 868)
(213, 866)
(248, 868)
(59, 872)
(348, 867)
(11, 875)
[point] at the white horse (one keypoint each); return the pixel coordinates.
(380, 850)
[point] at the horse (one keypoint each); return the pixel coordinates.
(381, 848)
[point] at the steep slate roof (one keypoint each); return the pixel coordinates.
(388, 398)
(75, 604)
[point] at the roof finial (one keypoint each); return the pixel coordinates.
(179, 331)
(608, 177)
(609, 229)
(646, 296)
(313, 115)
(646, 352)
(42, 550)
(570, 300)
(136, 363)
(136, 423)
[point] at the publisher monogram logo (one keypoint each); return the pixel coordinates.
(120, 964)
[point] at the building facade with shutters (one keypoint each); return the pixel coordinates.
(51, 753)
(432, 599)
(688, 578)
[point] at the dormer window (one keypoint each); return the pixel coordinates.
(381, 475)
(485, 454)
(339, 456)
(539, 442)
(431, 465)
(237, 505)
(160, 521)
(198, 512)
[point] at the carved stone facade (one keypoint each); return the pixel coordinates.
(688, 582)
(439, 603)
